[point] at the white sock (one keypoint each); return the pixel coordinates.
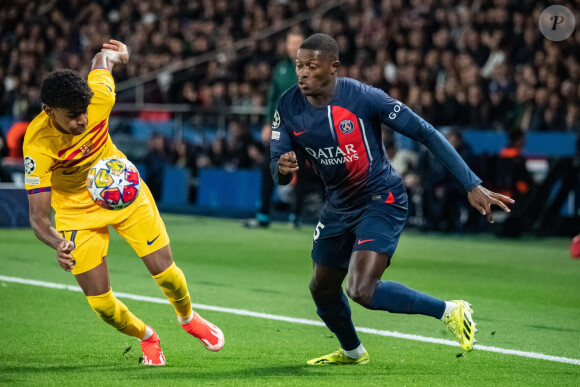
(449, 306)
(148, 333)
(355, 353)
(185, 320)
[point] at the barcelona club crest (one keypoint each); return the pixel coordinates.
(87, 148)
(346, 126)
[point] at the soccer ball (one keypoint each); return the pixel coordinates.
(113, 183)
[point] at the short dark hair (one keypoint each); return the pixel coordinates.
(66, 89)
(321, 42)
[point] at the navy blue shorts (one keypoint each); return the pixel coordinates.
(376, 226)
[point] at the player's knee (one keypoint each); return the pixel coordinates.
(321, 293)
(362, 294)
(314, 289)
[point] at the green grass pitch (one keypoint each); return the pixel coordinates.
(525, 294)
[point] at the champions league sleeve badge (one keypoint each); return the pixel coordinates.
(276, 121)
(29, 165)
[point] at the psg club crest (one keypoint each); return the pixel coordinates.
(346, 126)
(29, 165)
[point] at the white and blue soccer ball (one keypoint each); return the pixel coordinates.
(113, 183)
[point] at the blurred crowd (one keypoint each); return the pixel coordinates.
(480, 63)
(470, 64)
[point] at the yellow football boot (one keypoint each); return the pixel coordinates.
(461, 324)
(339, 358)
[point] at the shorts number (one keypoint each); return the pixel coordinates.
(319, 227)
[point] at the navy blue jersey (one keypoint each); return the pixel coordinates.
(343, 141)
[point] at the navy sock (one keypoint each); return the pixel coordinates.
(336, 316)
(398, 298)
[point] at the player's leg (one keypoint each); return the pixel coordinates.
(378, 234)
(91, 273)
(330, 253)
(364, 286)
(146, 233)
(173, 284)
(332, 307)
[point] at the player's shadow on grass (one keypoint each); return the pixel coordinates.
(261, 373)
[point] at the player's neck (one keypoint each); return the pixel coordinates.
(325, 96)
(57, 127)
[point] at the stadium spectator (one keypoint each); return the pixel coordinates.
(184, 157)
(426, 45)
(4, 151)
(507, 172)
(448, 60)
(443, 197)
(283, 77)
(155, 162)
(15, 136)
(241, 151)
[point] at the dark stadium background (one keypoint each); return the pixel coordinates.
(191, 101)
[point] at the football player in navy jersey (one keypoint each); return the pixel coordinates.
(337, 123)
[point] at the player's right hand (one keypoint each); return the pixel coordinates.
(288, 163)
(121, 55)
(64, 255)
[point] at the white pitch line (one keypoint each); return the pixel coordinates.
(242, 312)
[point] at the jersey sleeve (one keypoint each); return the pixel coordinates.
(103, 86)
(38, 170)
(399, 117)
(280, 143)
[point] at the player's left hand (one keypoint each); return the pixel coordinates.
(482, 199)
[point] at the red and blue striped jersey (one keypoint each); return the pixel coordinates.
(343, 141)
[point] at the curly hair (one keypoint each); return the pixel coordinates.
(66, 89)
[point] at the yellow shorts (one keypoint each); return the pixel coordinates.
(143, 229)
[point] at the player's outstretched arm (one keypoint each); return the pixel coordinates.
(39, 205)
(482, 199)
(111, 54)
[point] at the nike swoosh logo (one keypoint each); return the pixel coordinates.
(299, 133)
(154, 239)
(360, 242)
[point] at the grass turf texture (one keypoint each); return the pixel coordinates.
(525, 294)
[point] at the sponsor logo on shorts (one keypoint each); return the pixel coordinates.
(154, 239)
(275, 135)
(361, 241)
